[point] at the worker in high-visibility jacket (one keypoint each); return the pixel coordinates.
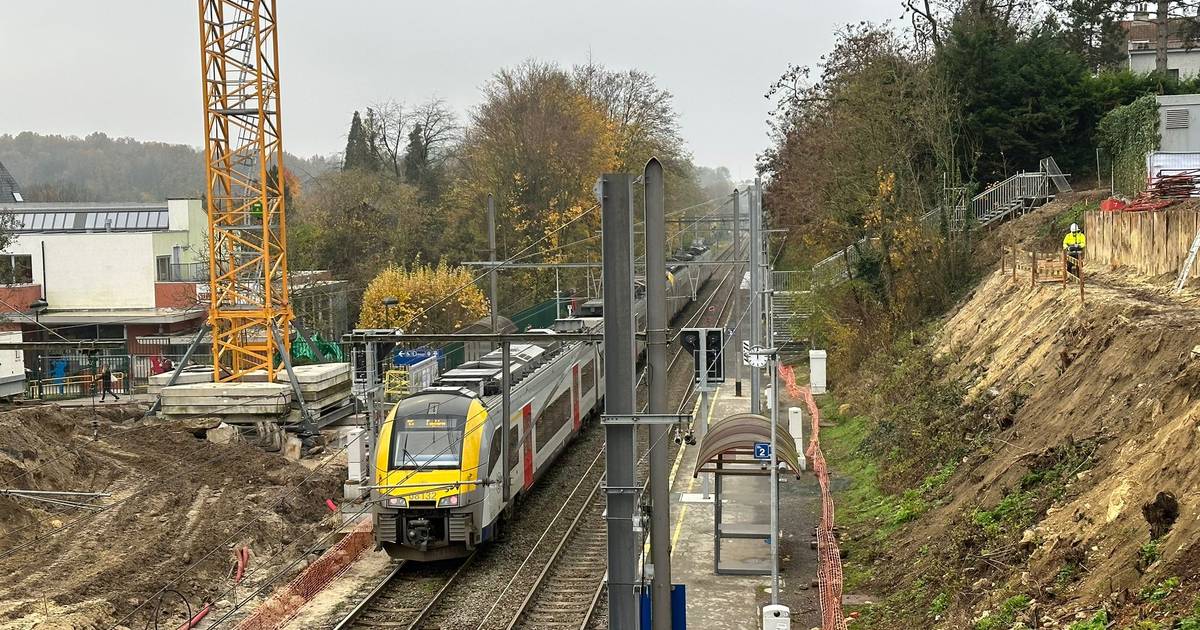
(1074, 243)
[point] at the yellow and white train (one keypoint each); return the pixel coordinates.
(437, 456)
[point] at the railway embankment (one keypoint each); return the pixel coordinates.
(1028, 461)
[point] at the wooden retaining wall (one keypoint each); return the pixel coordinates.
(1151, 243)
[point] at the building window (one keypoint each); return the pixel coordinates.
(1173, 74)
(162, 265)
(16, 268)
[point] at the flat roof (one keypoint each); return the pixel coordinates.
(120, 316)
(33, 218)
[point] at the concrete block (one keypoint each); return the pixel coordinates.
(314, 374)
(222, 434)
(293, 448)
(245, 390)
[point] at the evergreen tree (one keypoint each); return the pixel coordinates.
(418, 169)
(358, 149)
(416, 157)
(1092, 28)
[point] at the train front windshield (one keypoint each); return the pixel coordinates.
(427, 441)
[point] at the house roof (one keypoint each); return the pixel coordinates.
(87, 217)
(9, 191)
(1140, 35)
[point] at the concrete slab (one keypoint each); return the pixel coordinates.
(733, 602)
(188, 376)
(317, 373)
(234, 390)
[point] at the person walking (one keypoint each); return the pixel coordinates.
(106, 385)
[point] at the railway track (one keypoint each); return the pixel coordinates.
(568, 589)
(560, 575)
(401, 599)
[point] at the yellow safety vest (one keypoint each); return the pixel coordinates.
(1074, 239)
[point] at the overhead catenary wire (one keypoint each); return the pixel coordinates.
(410, 474)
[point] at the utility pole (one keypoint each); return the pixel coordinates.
(616, 199)
(774, 476)
(494, 293)
(737, 294)
(506, 419)
(755, 300)
(768, 296)
(656, 359)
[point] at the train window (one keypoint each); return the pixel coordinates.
(427, 441)
(495, 451)
(552, 418)
(514, 447)
(587, 377)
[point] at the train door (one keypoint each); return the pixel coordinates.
(527, 442)
(575, 417)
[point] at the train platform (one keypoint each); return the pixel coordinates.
(733, 602)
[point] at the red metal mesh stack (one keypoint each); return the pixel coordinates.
(286, 602)
(829, 556)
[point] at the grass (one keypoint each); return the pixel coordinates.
(1011, 515)
(1149, 553)
(1006, 616)
(1160, 591)
(1099, 621)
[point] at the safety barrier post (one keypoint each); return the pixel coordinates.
(1079, 270)
(1064, 268)
(1033, 269)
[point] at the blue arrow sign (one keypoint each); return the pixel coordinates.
(762, 450)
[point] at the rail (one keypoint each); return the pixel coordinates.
(1012, 196)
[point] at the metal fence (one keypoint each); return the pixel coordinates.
(75, 376)
(183, 272)
(1010, 196)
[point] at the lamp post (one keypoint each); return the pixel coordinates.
(388, 303)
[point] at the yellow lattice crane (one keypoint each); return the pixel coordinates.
(249, 313)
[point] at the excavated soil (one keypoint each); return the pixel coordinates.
(1114, 377)
(179, 506)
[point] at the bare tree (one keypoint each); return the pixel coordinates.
(440, 129)
(387, 126)
(390, 122)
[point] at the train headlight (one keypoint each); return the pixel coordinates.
(450, 501)
(397, 502)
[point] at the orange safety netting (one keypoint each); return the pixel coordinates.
(829, 557)
(287, 601)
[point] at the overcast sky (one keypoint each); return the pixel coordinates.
(131, 67)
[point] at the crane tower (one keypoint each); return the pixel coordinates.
(243, 153)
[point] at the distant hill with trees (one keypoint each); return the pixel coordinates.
(101, 168)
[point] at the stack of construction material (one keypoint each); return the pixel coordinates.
(323, 386)
(232, 402)
(191, 374)
(1174, 184)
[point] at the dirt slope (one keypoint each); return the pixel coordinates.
(176, 497)
(1080, 421)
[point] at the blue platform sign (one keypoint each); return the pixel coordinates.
(762, 450)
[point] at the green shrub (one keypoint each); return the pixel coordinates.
(1099, 621)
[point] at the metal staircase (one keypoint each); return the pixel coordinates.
(1000, 201)
(790, 304)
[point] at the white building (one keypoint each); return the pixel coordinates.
(1183, 57)
(118, 272)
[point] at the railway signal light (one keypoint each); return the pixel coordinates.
(705, 345)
